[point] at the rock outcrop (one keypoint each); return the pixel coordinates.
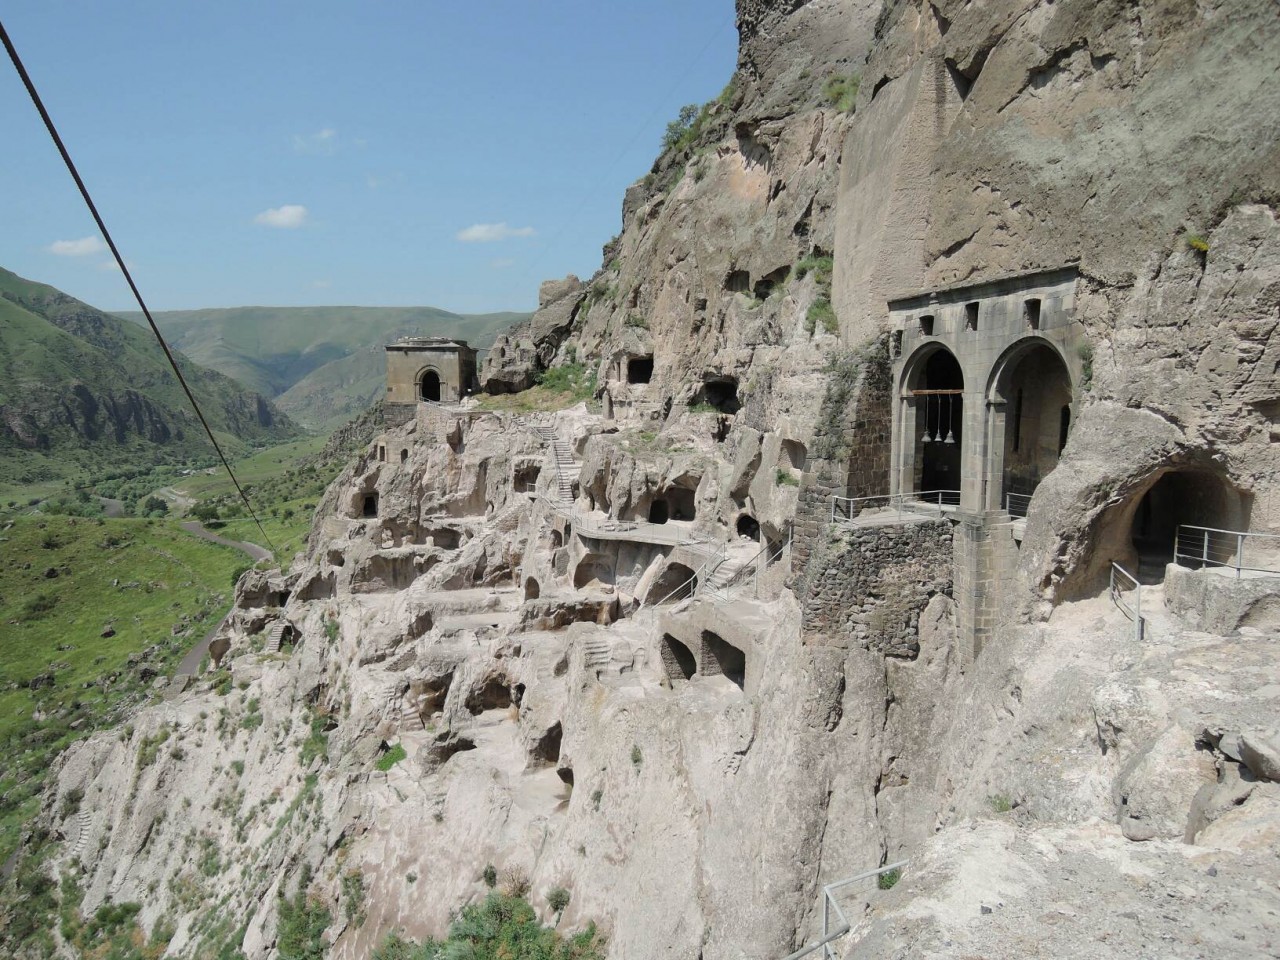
(624, 651)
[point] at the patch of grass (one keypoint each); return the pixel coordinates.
(303, 921)
(564, 386)
(1198, 243)
(137, 576)
(821, 313)
(596, 796)
(149, 749)
(317, 742)
(353, 897)
(490, 876)
(1000, 803)
(500, 926)
(820, 265)
(841, 91)
(391, 757)
(636, 756)
(785, 478)
(889, 879)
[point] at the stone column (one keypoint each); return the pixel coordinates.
(993, 474)
(971, 456)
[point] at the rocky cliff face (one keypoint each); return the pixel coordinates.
(596, 637)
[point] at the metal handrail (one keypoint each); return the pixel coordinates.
(843, 508)
(718, 552)
(1209, 546)
(1119, 578)
(1017, 504)
(829, 903)
(773, 553)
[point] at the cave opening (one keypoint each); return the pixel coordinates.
(640, 369)
(677, 660)
(720, 393)
(369, 508)
(720, 656)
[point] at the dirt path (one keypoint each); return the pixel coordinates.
(190, 665)
(111, 508)
(196, 528)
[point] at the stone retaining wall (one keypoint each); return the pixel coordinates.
(868, 585)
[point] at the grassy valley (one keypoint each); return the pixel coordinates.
(94, 608)
(82, 392)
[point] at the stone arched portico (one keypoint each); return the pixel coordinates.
(992, 331)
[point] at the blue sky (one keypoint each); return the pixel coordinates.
(385, 152)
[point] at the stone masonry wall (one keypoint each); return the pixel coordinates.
(869, 585)
(849, 457)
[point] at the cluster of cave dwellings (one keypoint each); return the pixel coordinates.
(986, 382)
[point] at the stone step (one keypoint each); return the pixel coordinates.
(597, 652)
(84, 821)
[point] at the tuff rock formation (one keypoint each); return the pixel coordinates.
(618, 644)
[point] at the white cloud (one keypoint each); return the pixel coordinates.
(323, 141)
(110, 266)
(288, 217)
(491, 232)
(77, 248)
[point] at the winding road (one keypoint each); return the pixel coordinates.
(190, 665)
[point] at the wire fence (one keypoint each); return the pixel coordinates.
(1241, 551)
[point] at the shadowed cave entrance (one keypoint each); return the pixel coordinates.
(676, 582)
(1185, 499)
(677, 659)
(720, 656)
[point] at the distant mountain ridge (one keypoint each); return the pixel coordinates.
(321, 365)
(80, 388)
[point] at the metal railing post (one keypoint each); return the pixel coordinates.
(1239, 553)
(826, 913)
(1204, 556)
(1137, 614)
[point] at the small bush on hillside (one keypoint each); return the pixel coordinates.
(841, 91)
(681, 131)
(515, 882)
(889, 879)
(821, 313)
(490, 876)
(391, 757)
(500, 926)
(558, 899)
(303, 921)
(38, 605)
(1198, 243)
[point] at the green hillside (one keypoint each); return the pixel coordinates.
(81, 389)
(323, 364)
